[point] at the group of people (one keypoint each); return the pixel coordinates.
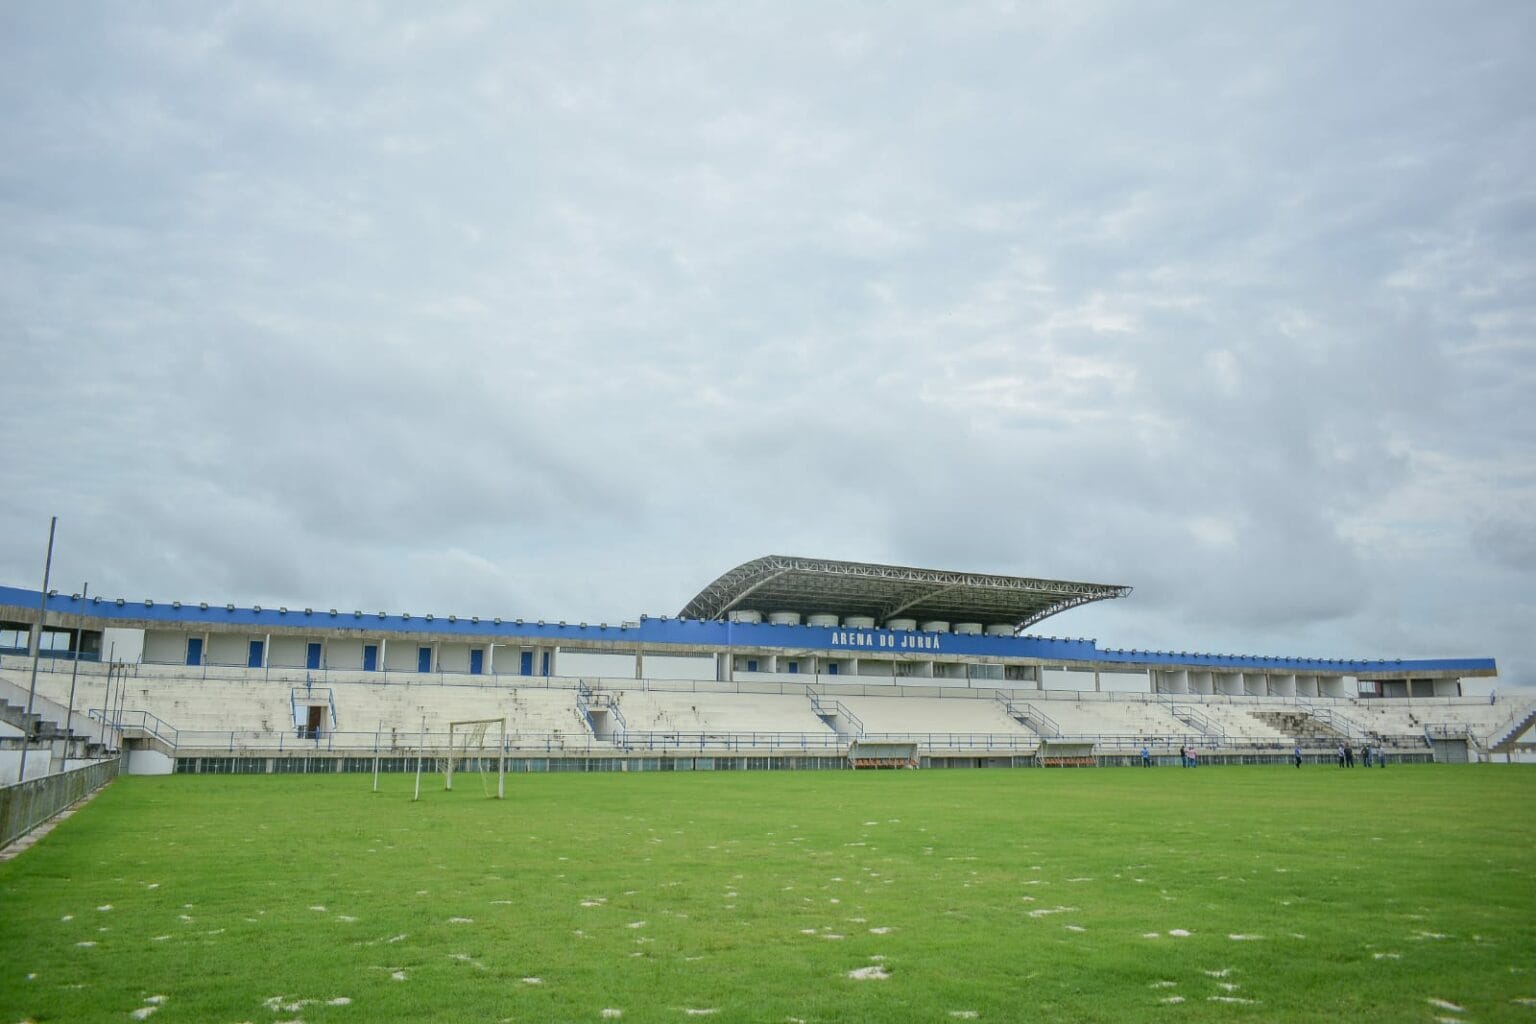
(1189, 759)
(1347, 756)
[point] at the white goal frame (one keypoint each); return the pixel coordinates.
(475, 729)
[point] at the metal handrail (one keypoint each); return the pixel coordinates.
(126, 720)
(838, 708)
(1026, 713)
(1211, 732)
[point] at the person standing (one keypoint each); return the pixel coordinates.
(1297, 754)
(1367, 752)
(1341, 755)
(1349, 756)
(1183, 756)
(1146, 756)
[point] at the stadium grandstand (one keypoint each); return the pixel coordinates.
(780, 663)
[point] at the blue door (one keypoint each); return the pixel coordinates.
(476, 661)
(370, 657)
(546, 663)
(525, 667)
(312, 656)
(423, 659)
(832, 669)
(253, 659)
(194, 650)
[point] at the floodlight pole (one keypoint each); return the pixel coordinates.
(69, 714)
(106, 698)
(37, 644)
(122, 700)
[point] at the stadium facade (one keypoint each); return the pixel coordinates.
(780, 662)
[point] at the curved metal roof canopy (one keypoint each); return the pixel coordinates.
(818, 585)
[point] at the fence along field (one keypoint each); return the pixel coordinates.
(1135, 895)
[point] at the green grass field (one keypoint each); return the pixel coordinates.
(1314, 895)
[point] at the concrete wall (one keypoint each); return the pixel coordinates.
(592, 663)
(145, 762)
(228, 649)
(665, 667)
(164, 647)
(39, 763)
(288, 652)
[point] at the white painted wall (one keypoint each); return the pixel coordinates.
(288, 652)
(1481, 687)
(1063, 679)
(148, 762)
(347, 654)
(39, 763)
(162, 647)
(228, 649)
(1125, 682)
(402, 656)
(658, 666)
(592, 663)
(123, 645)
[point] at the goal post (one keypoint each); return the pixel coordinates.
(468, 739)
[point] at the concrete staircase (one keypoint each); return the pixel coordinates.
(45, 730)
(1505, 740)
(1304, 728)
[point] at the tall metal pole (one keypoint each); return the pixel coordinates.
(74, 674)
(122, 699)
(37, 644)
(106, 699)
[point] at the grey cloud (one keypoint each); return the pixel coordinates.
(572, 310)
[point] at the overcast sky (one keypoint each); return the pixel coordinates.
(561, 310)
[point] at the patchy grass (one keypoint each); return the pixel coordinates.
(1112, 895)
